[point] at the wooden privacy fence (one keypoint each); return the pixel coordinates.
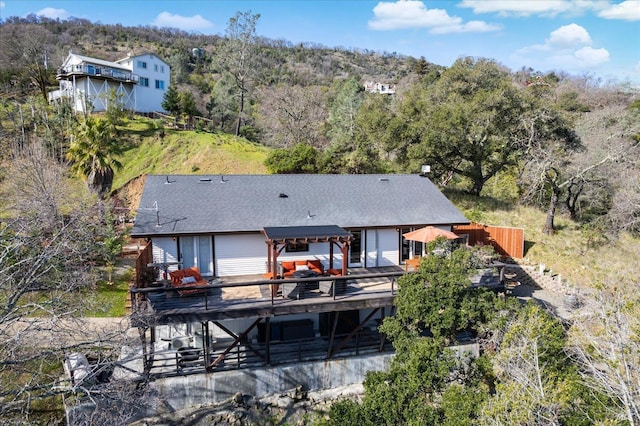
(505, 240)
(143, 259)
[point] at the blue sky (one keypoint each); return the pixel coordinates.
(599, 38)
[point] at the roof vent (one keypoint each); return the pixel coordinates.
(283, 195)
(222, 179)
(383, 180)
(167, 181)
(205, 179)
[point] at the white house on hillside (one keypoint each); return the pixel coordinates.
(140, 82)
(380, 88)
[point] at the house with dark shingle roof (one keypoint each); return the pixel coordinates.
(216, 222)
(243, 232)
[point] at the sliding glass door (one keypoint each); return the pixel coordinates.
(197, 251)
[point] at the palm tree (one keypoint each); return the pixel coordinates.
(93, 153)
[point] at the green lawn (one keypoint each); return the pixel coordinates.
(111, 297)
(153, 150)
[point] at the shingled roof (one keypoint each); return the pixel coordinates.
(199, 204)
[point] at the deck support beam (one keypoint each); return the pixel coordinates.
(237, 340)
(354, 332)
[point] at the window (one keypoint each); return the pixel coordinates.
(142, 64)
(294, 248)
(144, 82)
(155, 67)
(162, 69)
(356, 248)
(159, 84)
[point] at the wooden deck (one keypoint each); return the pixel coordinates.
(251, 296)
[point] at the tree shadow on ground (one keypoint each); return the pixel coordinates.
(467, 201)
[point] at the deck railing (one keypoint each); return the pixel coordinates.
(98, 71)
(274, 289)
(169, 362)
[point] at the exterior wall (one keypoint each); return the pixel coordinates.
(316, 251)
(98, 91)
(388, 247)
(131, 84)
(382, 247)
(241, 254)
(165, 250)
(246, 254)
(149, 98)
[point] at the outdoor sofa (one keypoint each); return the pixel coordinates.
(187, 277)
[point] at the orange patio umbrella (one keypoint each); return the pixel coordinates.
(429, 233)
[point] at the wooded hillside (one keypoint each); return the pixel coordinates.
(560, 142)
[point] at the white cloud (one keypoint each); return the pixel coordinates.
(1, 5)
(569, 36)
(522, 8)
(567, 48)
(414, 14)
(186, 23)
(50, 12)
(628, 10)
(469, 27)
(590, 57)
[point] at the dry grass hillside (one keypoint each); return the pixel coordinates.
(153, 149)
(583, 257)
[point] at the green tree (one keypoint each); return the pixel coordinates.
(466, 123)
(426, 382)
(342, 113)
(93, 154)
(235, 55)
(222, 104)
(115, 111)
(171, 101)
(437, 300)
(299, 159)
(188, 106)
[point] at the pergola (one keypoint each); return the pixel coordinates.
(278, 237)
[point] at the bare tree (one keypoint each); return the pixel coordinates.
(547, 156)
(530, 389)
(611, 189)
(606, 345)
(48, 252)
(29, 50)
(292, 114)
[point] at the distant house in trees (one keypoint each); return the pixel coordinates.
(139, 81)
(381, 88)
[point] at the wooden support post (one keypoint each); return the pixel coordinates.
(333, 333)
(205, 344)
(267, 334)
(345, 257)
(382, 336)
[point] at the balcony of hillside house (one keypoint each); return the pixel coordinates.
(87, 70)
(275, 333)
(249, 296)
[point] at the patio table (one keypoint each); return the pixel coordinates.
(294, 290)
